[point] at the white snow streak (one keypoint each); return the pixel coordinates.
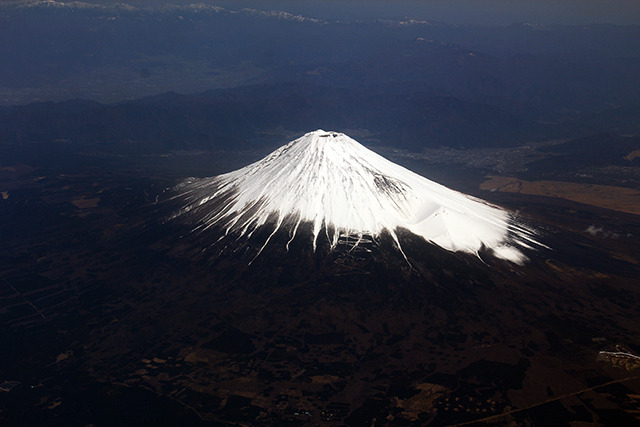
(335, 183)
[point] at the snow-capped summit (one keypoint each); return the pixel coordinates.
(336, 184)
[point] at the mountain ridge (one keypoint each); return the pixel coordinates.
(210, 118)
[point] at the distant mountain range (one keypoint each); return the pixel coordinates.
(54, 51)
(267, 114)
(270, 112)
(202, 76)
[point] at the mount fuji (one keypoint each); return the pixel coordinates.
(338, 188)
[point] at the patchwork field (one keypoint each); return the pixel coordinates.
(603, 196)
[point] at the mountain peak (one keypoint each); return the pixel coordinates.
(313, 139)
(339, 186)
(324, 134)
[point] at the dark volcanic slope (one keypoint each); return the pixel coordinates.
(134, 314)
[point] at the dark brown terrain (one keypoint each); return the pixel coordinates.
(111, 317)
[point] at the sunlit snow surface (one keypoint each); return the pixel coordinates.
(335, 183)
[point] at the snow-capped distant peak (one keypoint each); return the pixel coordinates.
(336, 184)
